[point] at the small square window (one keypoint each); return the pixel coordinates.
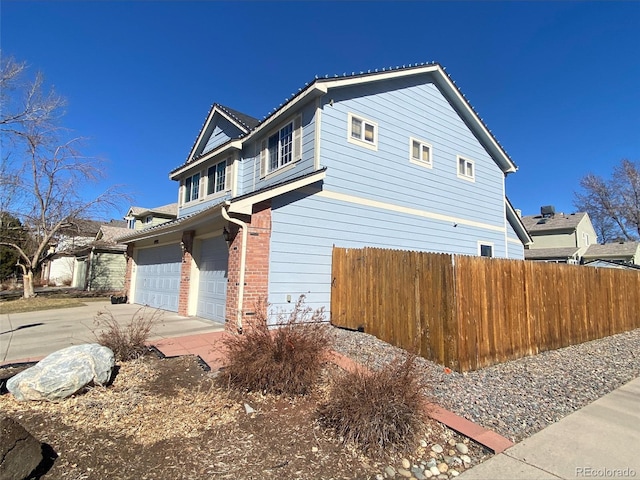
(466, 169)
(420, 152)
(485, 249)
(363, 132)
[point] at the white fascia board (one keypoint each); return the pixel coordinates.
(245, 205)
(206, 126)
(377, 76)
(456, 96)
(313, 91)
(518, 227)
(231, 146)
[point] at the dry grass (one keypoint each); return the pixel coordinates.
(22, 305)
(127, 341)
(379, 411)
(286, 360)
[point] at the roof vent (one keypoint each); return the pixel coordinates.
(548, 211)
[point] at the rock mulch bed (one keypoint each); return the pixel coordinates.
(517, 398)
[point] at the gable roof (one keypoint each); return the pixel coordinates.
(321, 86)
(624, 249)
(516, 223)
(560, 221)
(170, 210)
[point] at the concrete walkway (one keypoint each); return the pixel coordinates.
(31, 336)
(601, 440)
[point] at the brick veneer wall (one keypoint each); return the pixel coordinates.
(129, 273)
(256, 279)
(185, 272)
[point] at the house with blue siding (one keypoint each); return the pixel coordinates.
(393, 158)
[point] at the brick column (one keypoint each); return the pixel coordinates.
(185, 272)
(256, 278)
(129, 273)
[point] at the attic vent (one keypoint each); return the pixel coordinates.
(548, 211)
(542, 221)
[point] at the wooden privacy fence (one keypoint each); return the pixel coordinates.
(470, 312)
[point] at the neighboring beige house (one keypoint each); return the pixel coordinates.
(138, 218)
(558, 237)
(620, 253)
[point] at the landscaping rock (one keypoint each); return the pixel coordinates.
(20, 452)
(462, 448)
(437, 448)
(63, 373)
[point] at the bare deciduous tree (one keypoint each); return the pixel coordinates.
(43, 174)
(613, 204)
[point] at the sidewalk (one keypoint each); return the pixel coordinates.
(601, 440)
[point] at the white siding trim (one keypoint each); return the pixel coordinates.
(316, 142)
(514, 240)
(400, 209)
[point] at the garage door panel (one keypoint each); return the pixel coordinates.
(158, 277)
(212, 288)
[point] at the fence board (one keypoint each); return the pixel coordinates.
(470, 312)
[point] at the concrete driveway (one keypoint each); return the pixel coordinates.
(33, 335)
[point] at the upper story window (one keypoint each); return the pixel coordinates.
(420, 152)
(217, 178)
(192, 188)
(283, 147)
(466, 169)
(131, 222)
(362, 132)
(585, 239)
(148, 219)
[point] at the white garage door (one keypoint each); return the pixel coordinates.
(212, 289)
(158, 277)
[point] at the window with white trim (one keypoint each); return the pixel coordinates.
(192, 188)
(466, 169)
(362, 131)
(148, 219)
(485, 249)
(282, 147)
(420, 152)
(217, 178)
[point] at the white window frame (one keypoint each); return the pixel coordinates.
(422, 146)
(468, 165)
(148, 219)
(360, 139)
(193, 190)
(486, 244)
(225, 185)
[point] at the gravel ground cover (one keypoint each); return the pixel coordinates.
(520, 397)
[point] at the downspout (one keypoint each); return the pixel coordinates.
(243, 260)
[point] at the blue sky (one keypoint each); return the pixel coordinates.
(558, 83)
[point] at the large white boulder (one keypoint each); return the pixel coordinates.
(63, 373)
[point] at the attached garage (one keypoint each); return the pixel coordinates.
(158, 277)
(212, 286)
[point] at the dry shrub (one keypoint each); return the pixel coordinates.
(126, 341)
(378, 411)
(284, 360)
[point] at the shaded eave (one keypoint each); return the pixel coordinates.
(516, 223)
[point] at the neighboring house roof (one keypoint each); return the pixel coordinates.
(321, 86)
(108, 234)
(560, 253)
(612, 264)
(558, 222)
(613, 250)
(170, 210)
(81, 228)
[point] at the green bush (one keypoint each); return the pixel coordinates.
(379, 411)
(126, 341)
(284, 360)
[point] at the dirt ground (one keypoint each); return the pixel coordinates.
(170, 419)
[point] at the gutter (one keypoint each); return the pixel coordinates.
(243, 261)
